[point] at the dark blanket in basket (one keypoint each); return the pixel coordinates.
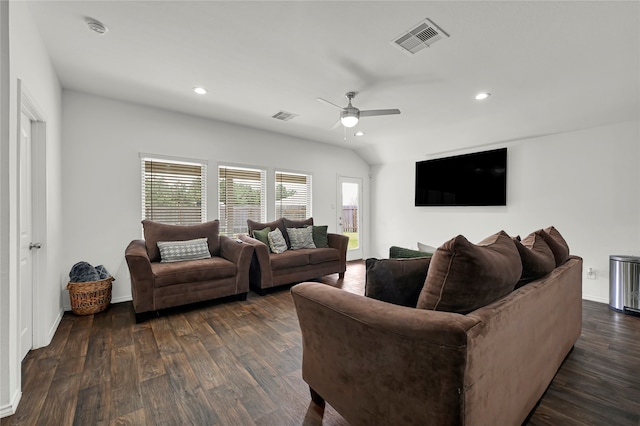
(83, 272)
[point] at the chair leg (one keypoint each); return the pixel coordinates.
(315, 397)
(341, 275)
(242, 296)
(144, 316)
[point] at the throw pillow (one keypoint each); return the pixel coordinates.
(396, 252)
(397, 281)
(320, 238)
(536, 256)
(262, 235)
(176, 251)
(463, 276)
(556, 243)
(289, 223)
(276, 241)
(156, 231)
(301, 238)
(426, 248)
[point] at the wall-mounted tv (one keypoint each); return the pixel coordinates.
(478, 179)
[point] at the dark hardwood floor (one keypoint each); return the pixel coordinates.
(238, 363)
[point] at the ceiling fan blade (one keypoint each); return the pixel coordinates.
(324, 101)
(336, 124)
(372, 112)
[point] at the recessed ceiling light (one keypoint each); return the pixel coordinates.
(200, 90)
(483, 95)
(358, 133)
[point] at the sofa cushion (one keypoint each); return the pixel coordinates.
(177, 251)
(397, 281)
(556, 243)
(289, 259)
(301, 238)
(536, 256)
(155, 231)
(252, 226)
(262, 235)
(322, 255)
(214, 268)
(463, 276)
(277, 244)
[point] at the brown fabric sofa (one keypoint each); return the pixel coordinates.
(269, 270)
(156, 285)
(379, 363)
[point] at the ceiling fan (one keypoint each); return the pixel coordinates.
(350, 115)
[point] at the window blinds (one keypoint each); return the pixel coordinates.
(242, 195)
(293, 195)
(173, 192)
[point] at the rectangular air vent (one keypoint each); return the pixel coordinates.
(422, 35)
(284, 116)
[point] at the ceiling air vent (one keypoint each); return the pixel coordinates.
(422, 35)
(284, 116)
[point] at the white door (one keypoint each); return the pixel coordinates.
(25, 302)
(349, 214)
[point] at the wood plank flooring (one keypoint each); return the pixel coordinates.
(238, 363)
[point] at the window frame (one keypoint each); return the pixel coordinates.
(239, 226)
(168, 161)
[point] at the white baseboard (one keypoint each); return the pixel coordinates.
(596, 298)
(11, 408)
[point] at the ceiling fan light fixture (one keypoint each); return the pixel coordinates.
(348, 119)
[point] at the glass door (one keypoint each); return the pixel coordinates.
(349, 214)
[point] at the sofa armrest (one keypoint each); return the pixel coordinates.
(341, 243)
(376, 362)
(142, 279)
(260, 273)
(239, 253)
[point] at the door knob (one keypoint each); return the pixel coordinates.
(34, 246)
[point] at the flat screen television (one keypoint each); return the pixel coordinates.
(478, 179)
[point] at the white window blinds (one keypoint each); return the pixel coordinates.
(293, 195)
(242, 196)
(174, 191)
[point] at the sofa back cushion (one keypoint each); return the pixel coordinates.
(556, 243)
(397, 281)
(463, 276)
(537, 258)
(257, 226)
(155, 231)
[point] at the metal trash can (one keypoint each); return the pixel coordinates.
(624, 284)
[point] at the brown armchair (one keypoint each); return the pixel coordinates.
(156, 285)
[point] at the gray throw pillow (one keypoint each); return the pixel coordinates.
(176, 251)
(277, 242)
(301, 238)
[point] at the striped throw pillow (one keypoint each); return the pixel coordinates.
(176, 251)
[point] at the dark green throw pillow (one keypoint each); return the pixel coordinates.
(396, 252)
(320, 238)
(262, 235)
(397, 281)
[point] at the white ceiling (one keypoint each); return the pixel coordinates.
(551, 66)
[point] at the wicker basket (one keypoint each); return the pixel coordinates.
(90, 297)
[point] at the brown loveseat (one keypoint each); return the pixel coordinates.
(269, 269)
(157, 285)
(378, 363)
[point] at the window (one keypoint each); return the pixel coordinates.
(293, 195)
(174, 191)
(242, 195)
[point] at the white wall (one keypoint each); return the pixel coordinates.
(29, 63)
(101, 172)
(585, 183)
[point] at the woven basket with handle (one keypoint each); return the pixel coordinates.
(90, 297)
